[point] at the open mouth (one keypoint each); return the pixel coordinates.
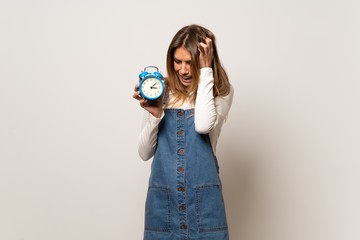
(187, 79)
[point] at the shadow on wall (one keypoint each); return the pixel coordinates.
(238, 173)
(243, 159)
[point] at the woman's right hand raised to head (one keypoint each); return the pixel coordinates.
(206, 53)
(152, 106)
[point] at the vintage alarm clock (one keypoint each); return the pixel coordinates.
(151, 84)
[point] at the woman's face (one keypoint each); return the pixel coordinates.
(182, 61)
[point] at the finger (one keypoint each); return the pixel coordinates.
(209, 44)
(137, 95)
(208, 41)
(207, 47)
(204, 49)
(203, 45)
(143, 103)
(136, 87)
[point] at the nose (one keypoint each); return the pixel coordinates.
(185, 69)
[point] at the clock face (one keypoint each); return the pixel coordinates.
(151, 88)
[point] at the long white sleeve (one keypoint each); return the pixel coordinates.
(205, 111)
(148, 137)
(210, 112)
(209, 116)
(222, 105)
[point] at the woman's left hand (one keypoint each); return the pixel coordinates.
(154, 107)
(206, 53)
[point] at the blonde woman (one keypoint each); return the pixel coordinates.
(180, 131)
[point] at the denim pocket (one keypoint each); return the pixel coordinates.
(157, 210)
(210, 209)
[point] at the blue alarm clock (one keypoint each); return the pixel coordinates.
(151, 84)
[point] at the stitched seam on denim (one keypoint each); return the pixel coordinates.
(168, 222)
(157, 229)
(198, 190)
(217, 229)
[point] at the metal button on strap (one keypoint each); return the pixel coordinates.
(182, 207)
(181, 169)
(180, 113)
(180, 132)
(183, 226)
(181, 189)
(180, 151)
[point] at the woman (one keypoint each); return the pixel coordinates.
(180, 131)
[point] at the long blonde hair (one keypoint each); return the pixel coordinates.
(189, 37)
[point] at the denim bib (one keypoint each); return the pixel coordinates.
(184, 199)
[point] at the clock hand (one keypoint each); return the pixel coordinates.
(153, 86)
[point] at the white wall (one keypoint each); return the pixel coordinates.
(289, 153)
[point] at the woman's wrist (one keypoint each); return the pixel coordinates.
(157, 115)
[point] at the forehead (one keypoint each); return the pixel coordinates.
(182, 54)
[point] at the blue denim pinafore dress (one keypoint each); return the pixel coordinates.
(184, 199)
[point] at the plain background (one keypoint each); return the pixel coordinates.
(289, 152)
